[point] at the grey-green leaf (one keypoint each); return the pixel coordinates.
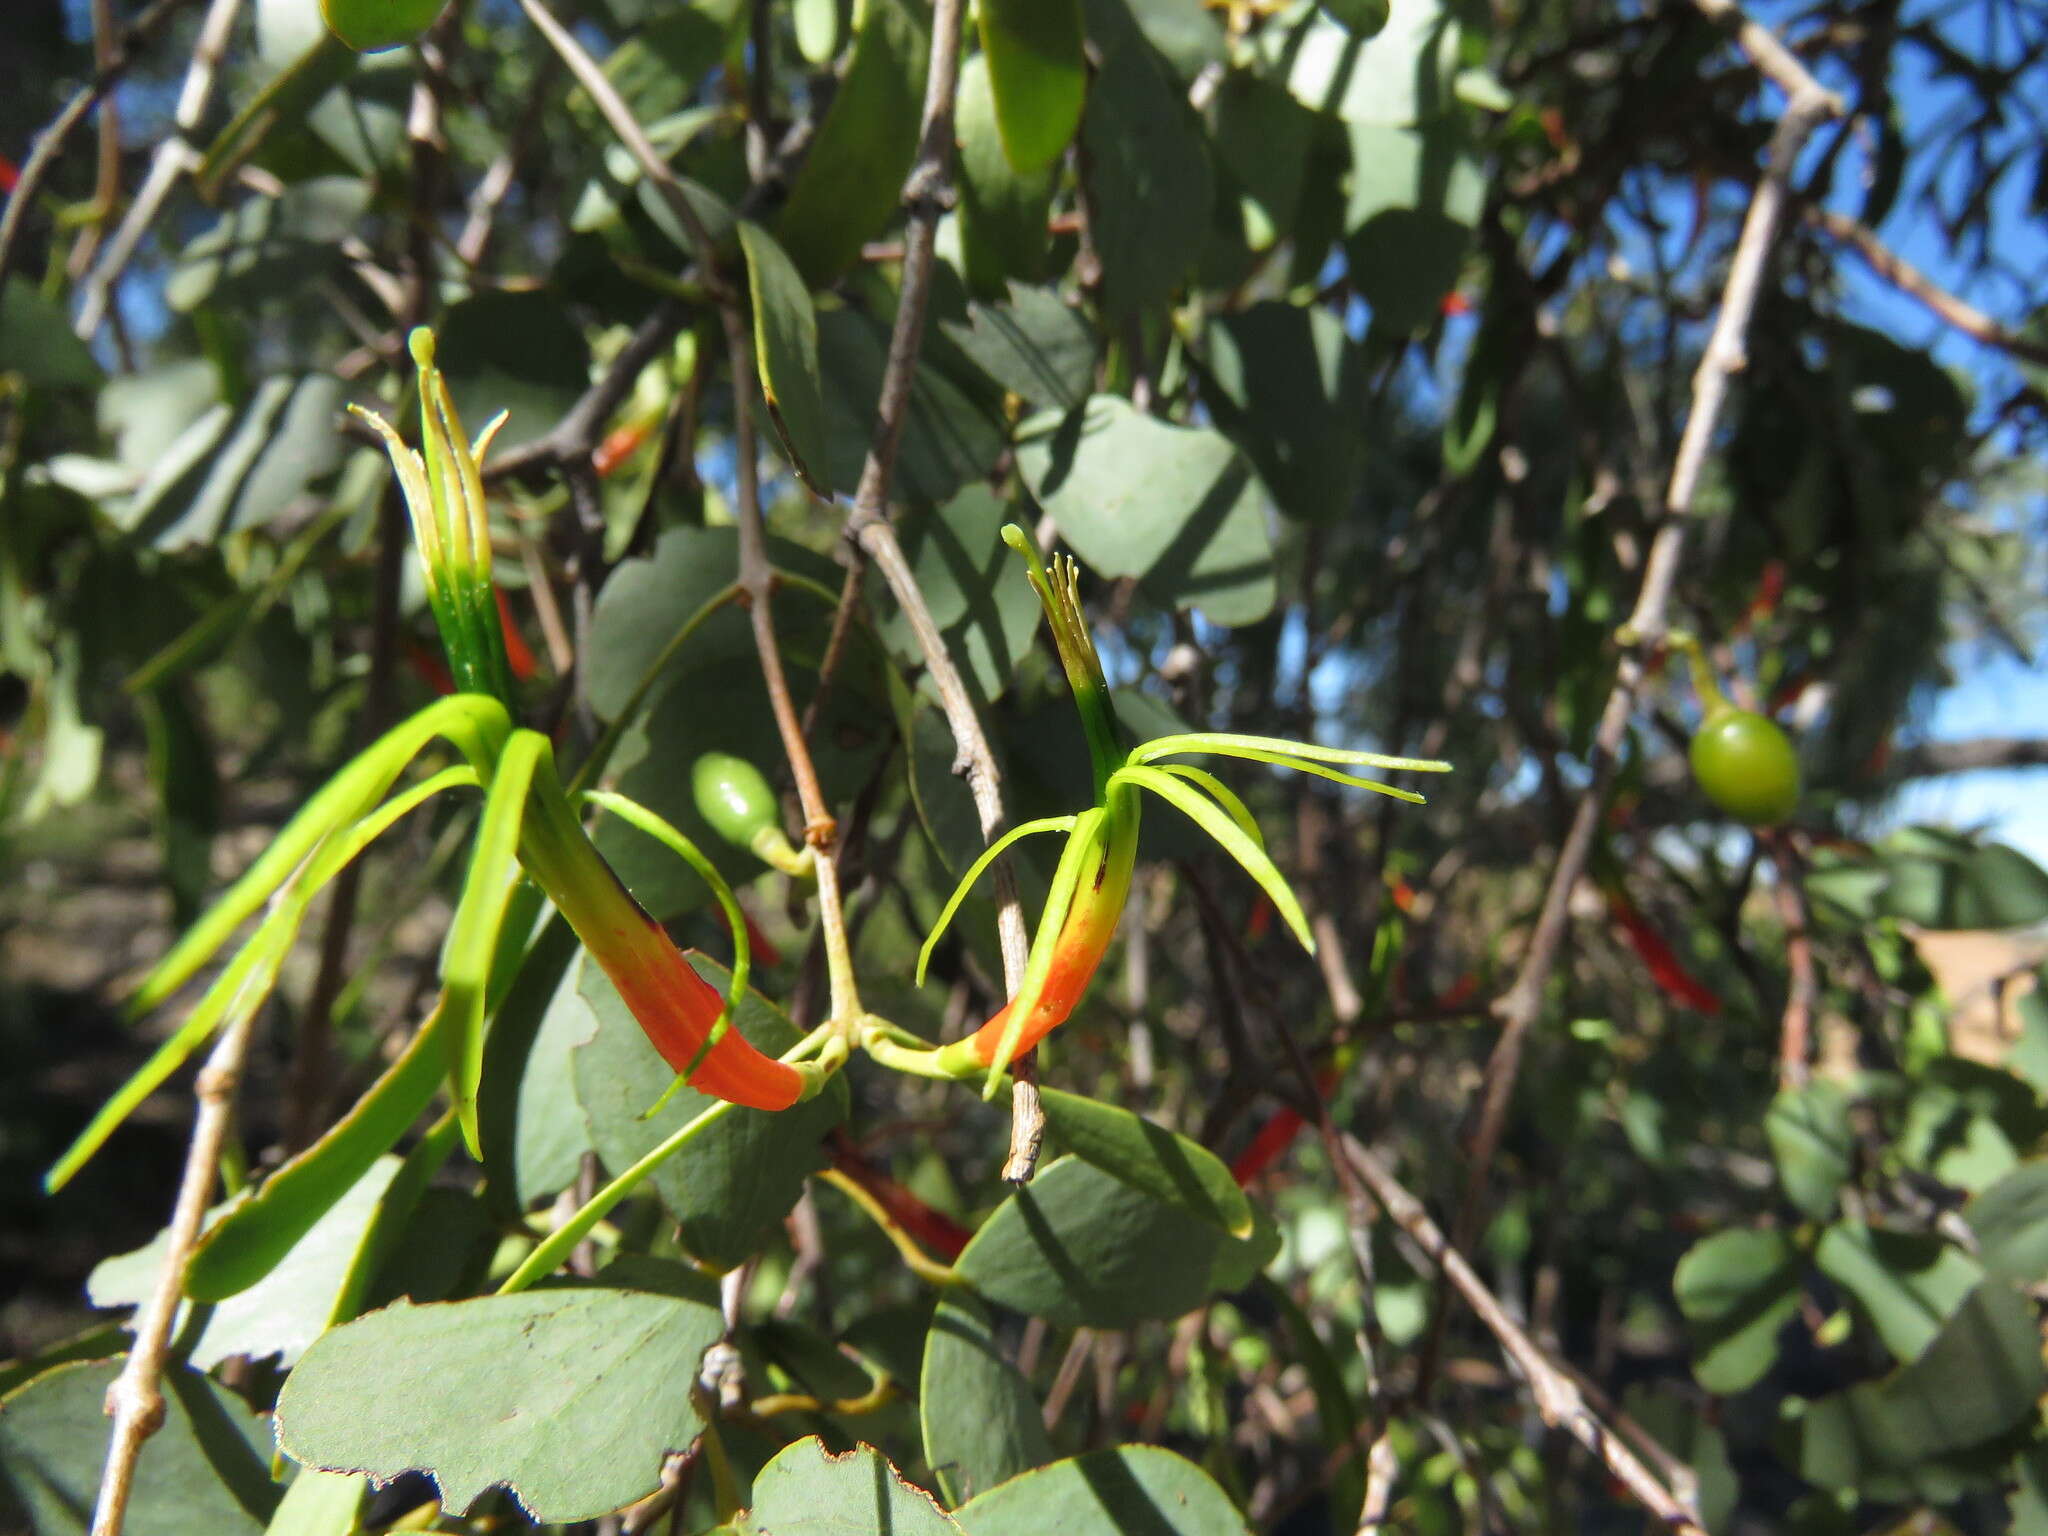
(1177, 506)
(282, 1313)
(534, 1136)
(1737, 1289)
(1039, 73)
(1811, 1142)
(1034, 345)
(1404, 74)
(982, 1423)
(1002, 210)
(236, 468)
(2011, 1222)
(1907, 1283)
(786, 351)
(851, 181)
(1131, 1490)
(1081, 1248)
(1979, 1377)
(1149, 184)
(569, 1396)
(1289, 390)
(1161, 1163)
(807, 1491)
(207, 1469)
(948, 440)
(36, 341)
(1416, 195)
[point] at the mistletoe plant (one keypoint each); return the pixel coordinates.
(530, 848)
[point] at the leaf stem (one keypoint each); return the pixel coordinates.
(915, 1259)
(556, 1248)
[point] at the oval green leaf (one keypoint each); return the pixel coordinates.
(371, 25)
(1081, 1248)
(567, 1396)
(1118, 1492)
(807, 1491)
(1038, 73)
(786, 352)
(1170, 1168)
(982, 1423)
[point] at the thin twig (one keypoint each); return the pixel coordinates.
(106, 194)
(1557, 1396)
(50, 142)
(926, 191)
(1382, 1464)
(1725, 355)
(1915, 284)
(135, 1400)
(1795, 1030)
(757, 581)
(1770, 55)
(175, 157)
(619, 118)
(1518, 1008)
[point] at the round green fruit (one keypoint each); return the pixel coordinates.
(369, 26)
(1746, 766)
(734, 798)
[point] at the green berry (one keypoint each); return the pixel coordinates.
(1746, 766)
(734, 798)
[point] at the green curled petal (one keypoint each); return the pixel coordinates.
(1230, 837)
(1303, 765)
(1276, 749)
(1222, 794)
(975, 871)
(479, 917)
(249, 977)
(471, 723)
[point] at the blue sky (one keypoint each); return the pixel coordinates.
(1997, 694)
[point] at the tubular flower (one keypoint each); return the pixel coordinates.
(684, 1017)
(1093, 879)
(529, 820)
(1658, 957)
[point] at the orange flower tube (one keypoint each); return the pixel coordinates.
(1084, 937)
(676, 1007)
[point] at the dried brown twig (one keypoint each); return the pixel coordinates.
(1725, 355)
(868, 529)
(50, 142)
(135, 1400)
(1557, 1396)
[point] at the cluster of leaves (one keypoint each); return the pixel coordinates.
(1344, 349)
